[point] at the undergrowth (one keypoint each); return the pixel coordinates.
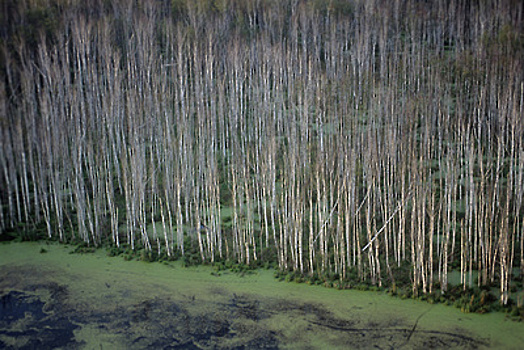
(469, 300)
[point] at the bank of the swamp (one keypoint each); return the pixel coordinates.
(53, 299)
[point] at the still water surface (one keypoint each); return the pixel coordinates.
(91, 301)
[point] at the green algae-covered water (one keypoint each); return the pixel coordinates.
(54, 299)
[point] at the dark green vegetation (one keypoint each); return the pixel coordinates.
(354, 144)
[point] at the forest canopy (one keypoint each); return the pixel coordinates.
(344, 138)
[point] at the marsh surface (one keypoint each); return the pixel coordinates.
(91, 301)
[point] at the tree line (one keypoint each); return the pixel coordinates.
(331, 137)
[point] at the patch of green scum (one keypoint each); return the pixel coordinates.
(120, 304)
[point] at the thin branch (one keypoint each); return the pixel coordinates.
(400, 205)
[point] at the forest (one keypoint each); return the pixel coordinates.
(347, 141)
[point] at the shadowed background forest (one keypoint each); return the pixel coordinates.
(368, 141)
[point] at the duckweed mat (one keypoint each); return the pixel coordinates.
(90, 301)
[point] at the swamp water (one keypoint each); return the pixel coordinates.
(92, 301)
